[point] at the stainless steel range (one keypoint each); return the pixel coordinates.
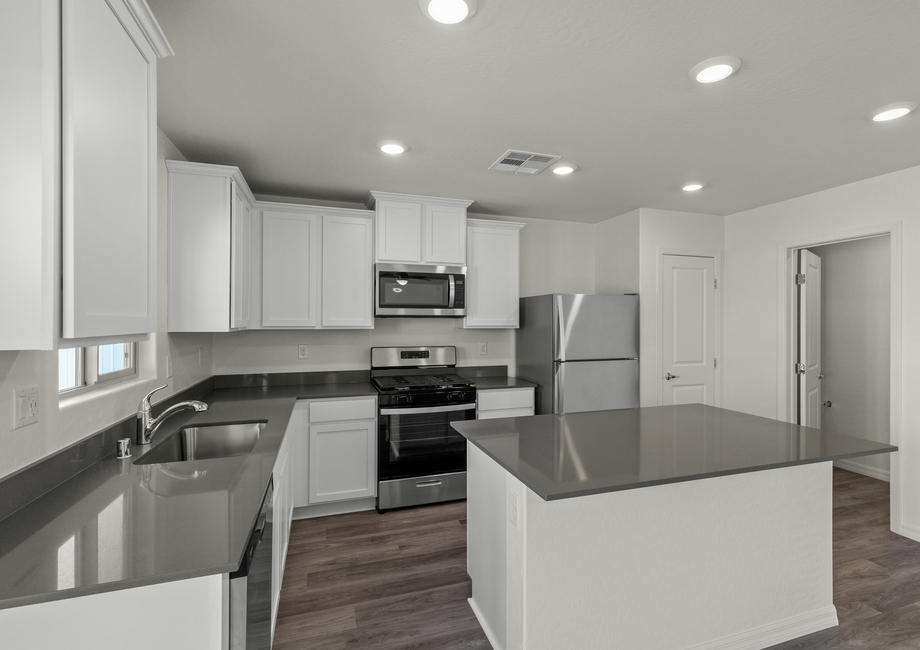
(420, 458)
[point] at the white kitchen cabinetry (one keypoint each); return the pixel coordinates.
(282, 512)
(210, 212)
(316, 267)
(334, 454)
(493, 274)
(420, 229)
(290, 269)
(78, 170)
(504, 403)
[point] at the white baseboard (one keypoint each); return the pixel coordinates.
(909, 531)
(773, 633)
(490, 635)
(865, 470)
(335, 508)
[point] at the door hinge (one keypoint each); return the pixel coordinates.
(715, 284)
(800, 368)
(800, 278)
(715, 362)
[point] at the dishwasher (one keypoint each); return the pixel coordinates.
(251, 586)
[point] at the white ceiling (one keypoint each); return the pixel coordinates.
(297, 92)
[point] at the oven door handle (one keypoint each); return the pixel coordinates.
(430, 409)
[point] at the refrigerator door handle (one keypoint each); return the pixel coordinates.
(560, 330)
(558, 393)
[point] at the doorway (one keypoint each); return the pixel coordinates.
(887, 236)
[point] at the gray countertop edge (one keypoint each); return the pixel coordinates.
(666, 481)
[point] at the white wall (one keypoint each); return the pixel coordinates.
(754, 341)
(556, 256)
(57, 427)
(616, 254)
(855, 340)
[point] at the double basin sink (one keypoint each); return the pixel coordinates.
(205, 441)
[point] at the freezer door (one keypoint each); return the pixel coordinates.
(596, 386)
(596, 327)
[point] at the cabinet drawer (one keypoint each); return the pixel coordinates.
(505, 413)
(513, 398)
(345, 409)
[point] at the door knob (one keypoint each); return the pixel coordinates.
(827, 404)
(669, 376)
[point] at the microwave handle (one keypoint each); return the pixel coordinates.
(451, 291)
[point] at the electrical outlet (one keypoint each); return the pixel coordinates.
(513, 508)
(483, 348)
(26, 411)
(302, 352)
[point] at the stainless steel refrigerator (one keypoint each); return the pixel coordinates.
(582, 350)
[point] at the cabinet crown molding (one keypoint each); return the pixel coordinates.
(303, 208)
(376, 195)
(150, 27)
(489, 223)
(207, 169)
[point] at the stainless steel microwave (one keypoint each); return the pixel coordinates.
(413, 290)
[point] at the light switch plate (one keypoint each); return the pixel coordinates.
(26, 411)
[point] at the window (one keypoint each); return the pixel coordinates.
(80, 368)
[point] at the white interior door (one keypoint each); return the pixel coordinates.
(808, 367)
(688, 290)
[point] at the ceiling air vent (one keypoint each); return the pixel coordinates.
(523, 162)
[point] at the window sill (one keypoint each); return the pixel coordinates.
(101, 391)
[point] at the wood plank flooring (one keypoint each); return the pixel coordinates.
(398, 580)
(395, 580)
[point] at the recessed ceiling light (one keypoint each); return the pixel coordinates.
(715, 69)
(565, 168)
(448, 12)
(693, 187)
(892, 111)
(392, 147)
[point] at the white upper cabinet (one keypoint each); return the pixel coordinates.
(77, 170)
(317, 269)
(109, 168)
(493, 274)
(210, 212)
(290, 269)
(348, 271)
(420, 229)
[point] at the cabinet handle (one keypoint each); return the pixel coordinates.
(429, 483)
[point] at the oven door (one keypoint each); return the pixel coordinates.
(417, 441)
(404, 290)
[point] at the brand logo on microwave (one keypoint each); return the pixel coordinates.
(397, 290)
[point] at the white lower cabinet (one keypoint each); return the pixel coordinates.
(334, 452)
(504, 403)
(282, 513)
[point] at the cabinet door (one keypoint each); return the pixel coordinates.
(348, 274)
(342, 461)
(290, 269)
(299, 433)
(445, 235)
(109, 172)
(492, 281)
(282, 504)
(504, 403)
(399, 232)
(240, 223)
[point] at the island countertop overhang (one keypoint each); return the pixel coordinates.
(579, 454)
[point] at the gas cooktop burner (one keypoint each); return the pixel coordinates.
(420, 382)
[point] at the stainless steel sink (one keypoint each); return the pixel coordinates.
(205, 441)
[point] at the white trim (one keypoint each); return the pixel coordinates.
(487, 223)
(770, 634)
(909, 531)
(660, 252)
(490, 635)
(376, 195)
(150, 27)
(858, 468)
(335, 508)
(207, 169)
(785, 399)
(303, 208)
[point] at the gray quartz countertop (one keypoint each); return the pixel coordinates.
(503, 381)
(118, 525)
(563, 456)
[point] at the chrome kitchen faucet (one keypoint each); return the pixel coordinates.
(147, 426)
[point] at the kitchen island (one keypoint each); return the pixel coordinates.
(652, 528)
